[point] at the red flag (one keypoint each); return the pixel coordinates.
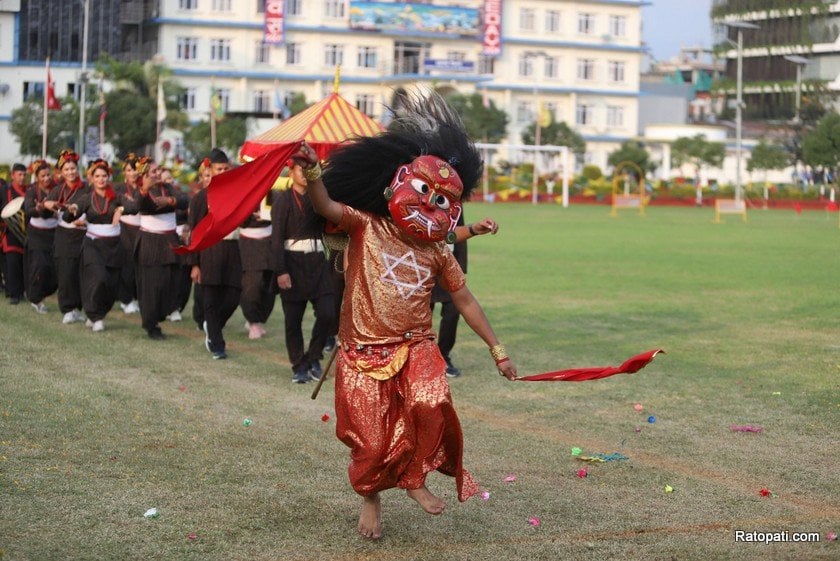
(52, 102)
(797, 207)
(232, 196)
(831, 207)
(629, 366)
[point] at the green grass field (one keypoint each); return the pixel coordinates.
(97, 428)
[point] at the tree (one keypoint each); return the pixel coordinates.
(556, 134)
(631, 151)
(230, 135)
(27, 126)
(697, 151)
(821, 147)
(485, 123)
(766, 156)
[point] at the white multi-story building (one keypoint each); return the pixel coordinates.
(580, 59)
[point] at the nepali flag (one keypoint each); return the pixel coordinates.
(629, 366)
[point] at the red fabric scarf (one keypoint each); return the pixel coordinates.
(232, 197)
(629, 366)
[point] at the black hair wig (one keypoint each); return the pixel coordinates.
(358, 173)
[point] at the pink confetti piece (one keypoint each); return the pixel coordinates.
(746, 428)
(582, 473)
(192, 536)
(325, 417)
(485, 495)
(182, 388)
(831, 536)
(534, 521)
(638, 407)
(509, 478)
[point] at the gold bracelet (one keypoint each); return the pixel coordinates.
(499, 353)
(313, 173)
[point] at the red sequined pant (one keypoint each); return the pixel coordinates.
(400, 429)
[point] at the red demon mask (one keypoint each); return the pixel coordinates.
(424, 199)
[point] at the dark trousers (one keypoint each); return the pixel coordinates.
(68, 274)
(198, 305)
(448, 328)
(13, 274)
(183, 284)
(219, 304)
(155, 293)
(127, 288)
(258, 292)
(40, 267)
(99, 289)
(338, 286)
(293, 311)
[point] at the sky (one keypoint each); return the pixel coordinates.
(667, 24)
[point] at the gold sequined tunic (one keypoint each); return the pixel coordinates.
(393, 405)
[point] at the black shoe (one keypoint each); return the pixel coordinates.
(300, 376)
(156, 334)
(315, 371)
(219, 355)
(330, 344)
(452, 371)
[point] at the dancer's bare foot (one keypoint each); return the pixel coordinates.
(426, 500)
(370, 519)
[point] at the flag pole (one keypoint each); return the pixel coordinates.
(276, 97)
(46, 111)
(212, 113)
(102, 113)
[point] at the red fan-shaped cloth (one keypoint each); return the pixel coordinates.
(629, 366)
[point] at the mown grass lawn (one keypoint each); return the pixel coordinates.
(95, 429)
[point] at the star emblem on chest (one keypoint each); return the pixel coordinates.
(404, 273)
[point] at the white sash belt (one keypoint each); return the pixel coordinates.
(158, 223)
(130, 219)
(304, 246)
(256, 233)
(71, 225)
(232, 236)
(103, 231)
(179, 229)
(43, 223)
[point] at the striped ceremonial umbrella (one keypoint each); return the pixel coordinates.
(324, 126)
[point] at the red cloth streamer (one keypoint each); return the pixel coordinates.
(629, 366)
(232, 196)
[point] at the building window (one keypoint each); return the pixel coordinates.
(221, 5)
(293, 53)
(583, 114)
(366, 57)
(186, 100)
(456, 56)
(586, 69)
(33, 90)
(262, 101)
(615, 116)
(260, 6)
(552, 21)
(526, 19)
(220, 50)
(552, 67)
(334, 8)
(187, 4)
(224, 99)
(586, 24)
(262, 52)
(615, 71)
(294, 7)
(333, 55)
(366, 104)
(486, 64)
(187, 47)
(524, 112)
(618, 26)
(526, 65)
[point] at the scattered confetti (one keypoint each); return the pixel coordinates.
(582, 473)
(534, 521)
(603, 457)
(746, 428)
(192, 536)
(182, 387)
(669, 489)
(151, 513)
(777, 393)
(638, 429)
(247, 422)
(576, 451)
(651, 419)
(831, 536)
(485, 495)
(638, 407)
(510, 478)
(766, 492)
(325, 417)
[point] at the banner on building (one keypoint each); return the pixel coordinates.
(275, 22)
(406, 16)
(492, 30)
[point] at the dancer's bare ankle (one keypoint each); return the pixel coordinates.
(427, 501)
(370, 518)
